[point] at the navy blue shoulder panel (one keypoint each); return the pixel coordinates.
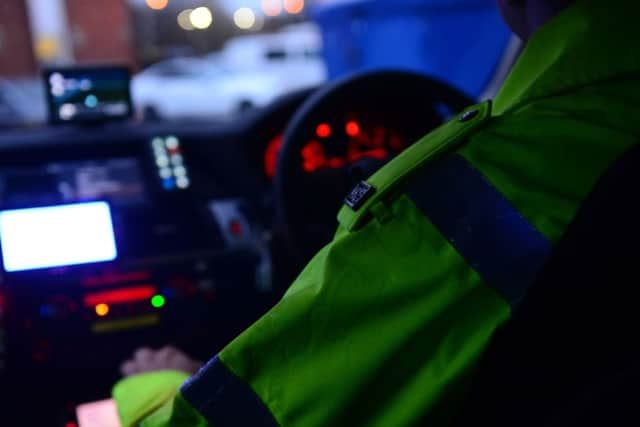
(224, 399)
(482, 225)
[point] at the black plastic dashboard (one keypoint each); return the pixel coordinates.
(203, 249)
(192, 217)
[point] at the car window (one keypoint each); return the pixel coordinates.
(185, 47)
(258, 50)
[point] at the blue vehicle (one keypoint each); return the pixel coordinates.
(460, 42)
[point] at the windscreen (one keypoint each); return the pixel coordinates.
(56, 236)
(189, 60)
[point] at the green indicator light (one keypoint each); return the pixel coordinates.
(158, 301)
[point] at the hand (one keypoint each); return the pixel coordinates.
(167, 358)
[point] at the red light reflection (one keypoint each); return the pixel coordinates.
(235, 228)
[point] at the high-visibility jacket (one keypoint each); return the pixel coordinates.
(433, 252)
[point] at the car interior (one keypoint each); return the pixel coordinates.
(211, 255)
(208, 222)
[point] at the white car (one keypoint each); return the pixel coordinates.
(195, 88)
(291, 56)
(251, 71)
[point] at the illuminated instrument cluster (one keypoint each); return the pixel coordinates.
(338, 144)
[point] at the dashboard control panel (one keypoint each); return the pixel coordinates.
(186, 266)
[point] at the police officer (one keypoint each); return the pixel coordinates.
(434, 251)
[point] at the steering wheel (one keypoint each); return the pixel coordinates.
(307, 202)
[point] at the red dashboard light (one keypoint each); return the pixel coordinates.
(120, 296)
(323, 130)
(313, 157)
(336, 163)
(352, 128)
(271, 156)
(309, 167)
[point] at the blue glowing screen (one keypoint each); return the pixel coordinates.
(56, 236)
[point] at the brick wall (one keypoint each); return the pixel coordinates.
(101, 31)
(16, 50)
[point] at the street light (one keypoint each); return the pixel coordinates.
(244, 18)
(184, 20)
(201, 18)
(157, 4)
(293, 6)
(272, 7)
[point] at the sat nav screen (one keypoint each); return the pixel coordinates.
(88, 94)
(117, 180)
(56, 236)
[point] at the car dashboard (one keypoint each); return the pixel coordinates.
(196, 209)
(192, 218)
